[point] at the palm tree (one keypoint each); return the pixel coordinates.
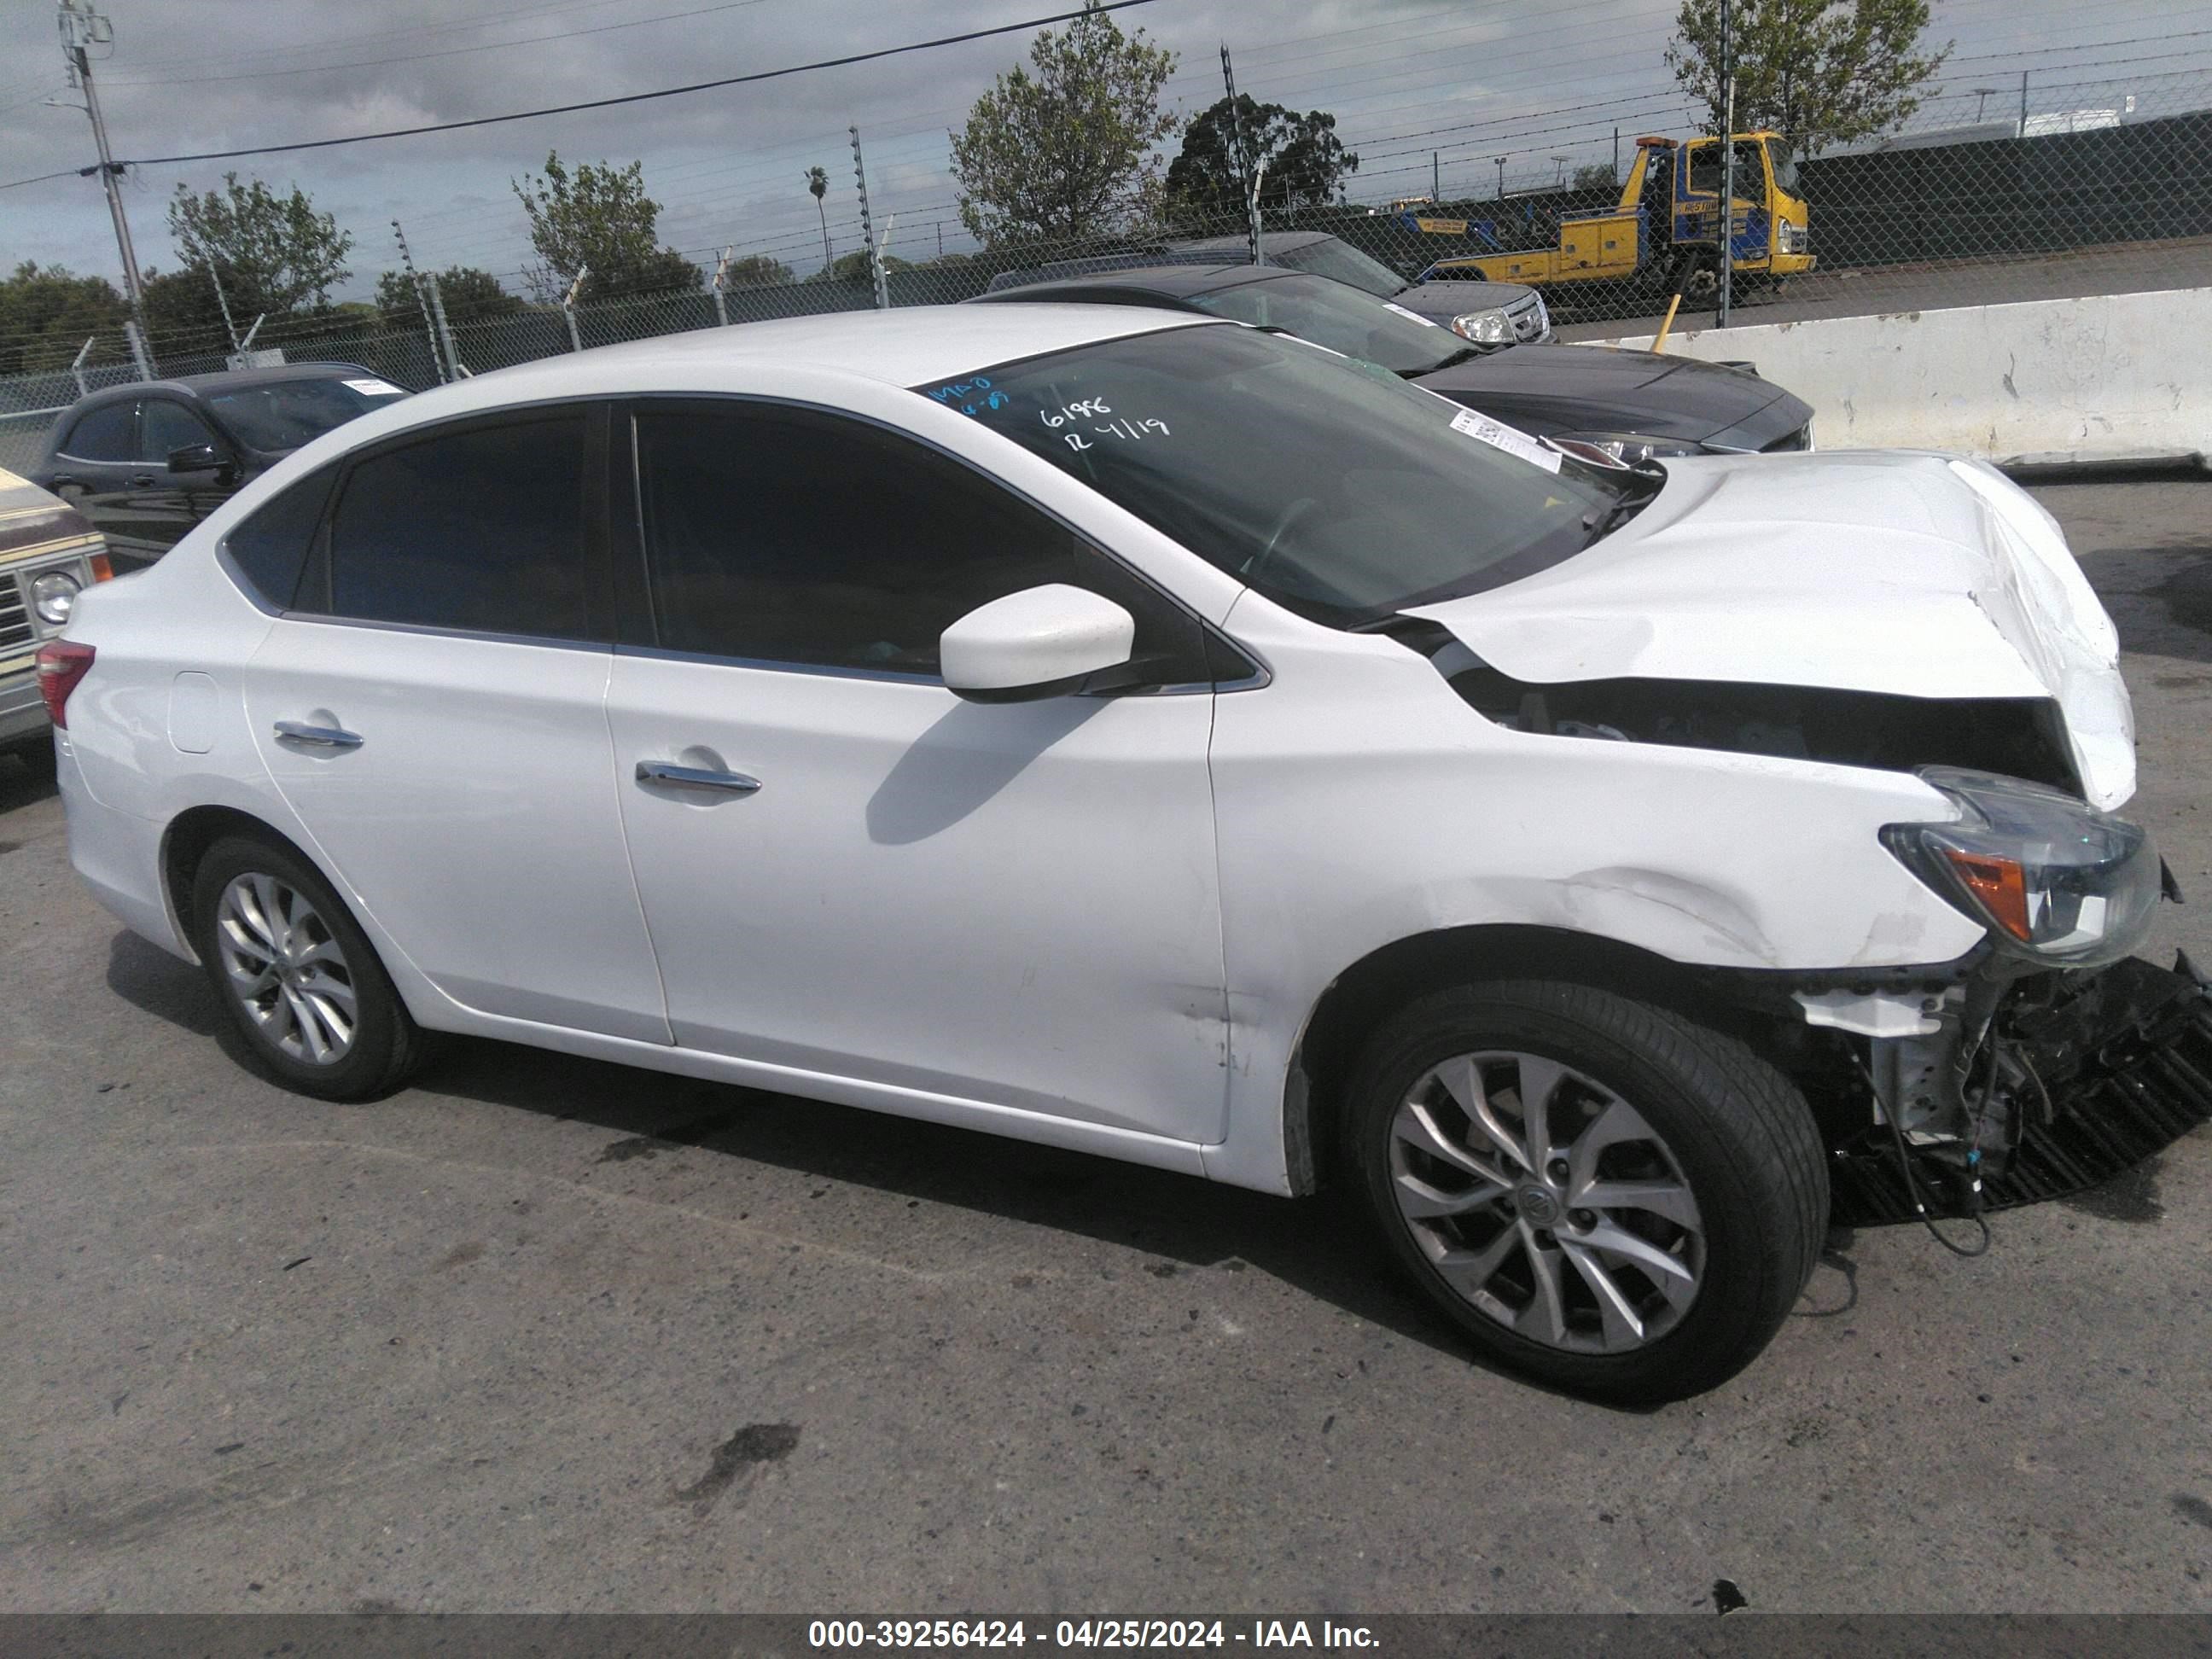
(818, 182)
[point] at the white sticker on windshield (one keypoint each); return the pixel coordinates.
(376, 388)
(1512, 440)
(1415, 315)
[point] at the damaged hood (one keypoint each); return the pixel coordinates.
(1917, 575)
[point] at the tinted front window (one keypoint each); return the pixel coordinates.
(165, 424)
(1341, 262)
(104, 434)
(1333, 487)
(481, 529)
(1340, 318)
(785, 536)
(270, 548)
(1707, 158)
(282, 415)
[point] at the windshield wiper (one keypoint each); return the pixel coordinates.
(1602, 521)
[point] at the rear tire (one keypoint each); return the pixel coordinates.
(1677, 1207)
(298, 978)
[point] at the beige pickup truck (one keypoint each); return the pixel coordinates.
(49, 553)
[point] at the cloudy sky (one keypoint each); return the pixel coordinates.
(1542, 81)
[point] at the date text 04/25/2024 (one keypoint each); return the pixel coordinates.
(1085, 1633)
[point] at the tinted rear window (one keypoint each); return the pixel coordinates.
(270, 548)
(481, 529)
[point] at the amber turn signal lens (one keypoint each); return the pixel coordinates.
(101, 571)
(1999, 885)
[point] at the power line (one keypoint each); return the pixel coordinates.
(642, 97)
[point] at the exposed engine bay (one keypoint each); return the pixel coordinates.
(2017, 737)
(2029, 1089)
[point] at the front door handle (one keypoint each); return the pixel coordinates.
(142, 480)
(696, 777)
(316, 736)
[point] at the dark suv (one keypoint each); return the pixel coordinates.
(147, 460)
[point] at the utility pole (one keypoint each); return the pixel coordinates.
(2023, 103)
(81, 30)
(1728, 175)
(868, 226)
(1616, 156)
(1982, 96)
(1436, 190)
(1500, 160)
(1559, 171)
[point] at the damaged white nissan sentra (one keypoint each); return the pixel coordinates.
(1172, 740)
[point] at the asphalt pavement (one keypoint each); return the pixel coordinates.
(540, 1333)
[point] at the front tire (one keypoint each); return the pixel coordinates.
(298, 979)
(1599, 1193)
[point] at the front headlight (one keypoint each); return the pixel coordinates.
(2052, 878)
(1483, 327)
(53, 596)
(1631, 447)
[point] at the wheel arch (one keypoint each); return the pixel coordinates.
(186, 841)
(1391, 975)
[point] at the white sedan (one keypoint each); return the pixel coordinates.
(1150, 736)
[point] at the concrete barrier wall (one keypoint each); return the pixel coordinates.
(2121, 377)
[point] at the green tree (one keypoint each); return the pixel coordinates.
(1306, 163)
(1065, 151)
(598, 217)
(469, 295)
(181, 311)
(853, 268)
(757, 270)
(817, 187)
(272, 253)
(1598, 175)
(1818, 72)
(47, 312)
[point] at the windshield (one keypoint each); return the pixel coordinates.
(1333, 487)
(281, 414)
(1342, 319)
(1343, 263)
(1785, 166)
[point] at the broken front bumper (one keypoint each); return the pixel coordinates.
(2113, 1068)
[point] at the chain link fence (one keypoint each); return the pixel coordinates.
(2080, 187)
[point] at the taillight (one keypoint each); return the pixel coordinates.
(62, 664)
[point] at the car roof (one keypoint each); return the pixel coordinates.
(224, 379)
(1174, 282)
(902, 347)
(908, 346)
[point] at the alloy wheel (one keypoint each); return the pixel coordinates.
(1546, 1202)
(286, 969)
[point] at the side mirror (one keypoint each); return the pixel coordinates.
(198, 458)
(1041, 642)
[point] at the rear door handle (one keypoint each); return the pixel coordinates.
(696, 777)
(142, 480)
(316, 736)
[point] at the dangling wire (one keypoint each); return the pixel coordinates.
(1918, 1192)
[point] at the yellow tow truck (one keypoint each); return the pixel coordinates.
(1664, 230)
